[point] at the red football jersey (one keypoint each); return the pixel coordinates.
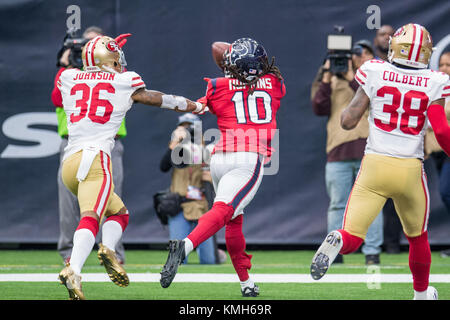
(247, 122)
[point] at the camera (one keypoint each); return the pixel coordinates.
(339, 46)
(75, 43)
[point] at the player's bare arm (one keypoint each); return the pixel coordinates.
(167, 101)
(438, 121)
(355, 110)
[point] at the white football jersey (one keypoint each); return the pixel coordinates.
(95, 104)
(399, 99)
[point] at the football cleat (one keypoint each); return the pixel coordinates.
(250, 292)
(432, 293)
(72, 282)
(115, 271)
(175, 258)
(326, 254)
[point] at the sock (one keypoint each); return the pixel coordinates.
(350, 243)
(235, 242)
(211, 222)
(112, 230)
(248, 283)
(83, 242)
(420, 295)
(188, 246)
(420, 261)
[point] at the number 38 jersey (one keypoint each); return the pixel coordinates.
(399, 99)
(247, 122)
(95, 104)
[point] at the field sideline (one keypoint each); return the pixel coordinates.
(281, 275)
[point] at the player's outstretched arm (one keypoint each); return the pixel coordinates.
(355, 110)
(167, 101)
(438, 121)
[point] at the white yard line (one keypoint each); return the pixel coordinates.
(227, 277)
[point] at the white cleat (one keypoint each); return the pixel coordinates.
(431, 294)
(326, 254)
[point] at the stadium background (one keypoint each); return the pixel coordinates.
(171, 49)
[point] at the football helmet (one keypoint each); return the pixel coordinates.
(103, 54)
(411, 45)
(246, 59)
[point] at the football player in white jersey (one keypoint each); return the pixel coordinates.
(95, 101)
(400, 94)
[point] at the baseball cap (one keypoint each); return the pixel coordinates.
(360, 45)
(189, 118)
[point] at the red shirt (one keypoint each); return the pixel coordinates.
(247, 122)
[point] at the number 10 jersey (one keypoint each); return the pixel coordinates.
(247, 122)
(399, 99)
(95, 104)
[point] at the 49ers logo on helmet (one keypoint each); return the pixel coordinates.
(112, 46)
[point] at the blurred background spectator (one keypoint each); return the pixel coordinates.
(330, 94)
(191, 182)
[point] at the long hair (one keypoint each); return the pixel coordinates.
(267, 68)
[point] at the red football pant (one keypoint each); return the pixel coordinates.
(420, 261)
(211, 222)
(235, 242)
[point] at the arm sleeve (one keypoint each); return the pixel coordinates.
(166, 164)
(136, 81)
(56, 93)
(321, 102)
(438, 120)
(362, 76)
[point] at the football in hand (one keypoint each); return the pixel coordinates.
(218, 48)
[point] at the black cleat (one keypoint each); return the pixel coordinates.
(175, 258)
(250, 292)
(372, 259)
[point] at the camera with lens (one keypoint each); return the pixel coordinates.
(339, 46)
(75, 43)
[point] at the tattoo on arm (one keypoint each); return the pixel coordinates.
(355, 110)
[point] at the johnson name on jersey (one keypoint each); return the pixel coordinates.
(399, 99)
(95, 104)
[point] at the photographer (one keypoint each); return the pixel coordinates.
(331, 92)
(191, 185)
(69, 56)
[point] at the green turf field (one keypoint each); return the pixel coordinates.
(264, 263)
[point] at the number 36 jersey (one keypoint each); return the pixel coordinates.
(95, 104)
(399, 99)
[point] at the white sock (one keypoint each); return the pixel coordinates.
(420, 295)
(248, 283)
(188, 246)
(83, 242)
(111, 234)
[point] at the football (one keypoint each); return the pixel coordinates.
(218, 48)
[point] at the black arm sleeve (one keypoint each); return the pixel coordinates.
(166, 163)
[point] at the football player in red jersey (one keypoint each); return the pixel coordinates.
(245, 102)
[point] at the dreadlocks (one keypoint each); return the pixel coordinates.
(267, 68)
